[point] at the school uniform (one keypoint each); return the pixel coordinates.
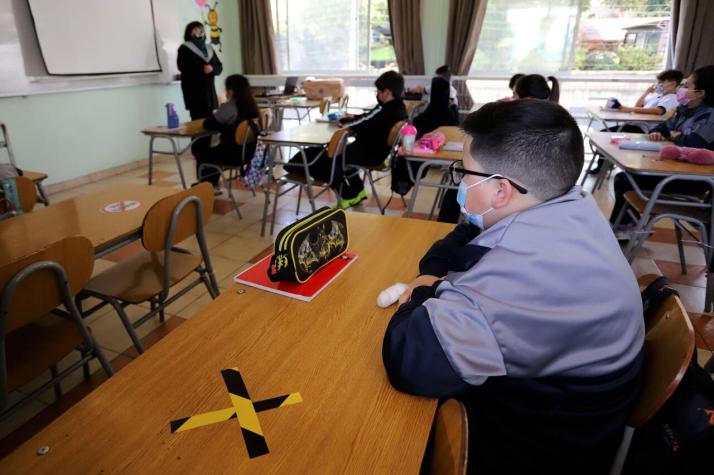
(664, 102)
(225, 120)
(537, 327)
(199, 90)
(370, 147)
(697, 130)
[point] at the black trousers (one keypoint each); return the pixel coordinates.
(222, 154)
(350, 183)
(649, 183)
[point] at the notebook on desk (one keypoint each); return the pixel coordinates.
(644, 145)
(454, 147)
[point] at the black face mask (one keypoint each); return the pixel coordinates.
(199, 38)
(379, 101)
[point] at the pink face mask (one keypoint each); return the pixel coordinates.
(682, 96)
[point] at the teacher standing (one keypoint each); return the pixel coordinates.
(198, 64)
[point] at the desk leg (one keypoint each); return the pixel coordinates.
(43, 194)
(415, 190)
(308, 178)
(177, 157)
(151, 158)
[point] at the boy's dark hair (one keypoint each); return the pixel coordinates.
(514, 79)
(536, 86)
(704, 81)
(535, 142)
(245, 103)
(444, 72)
(189, 28)
(391, 80)
(671, 75)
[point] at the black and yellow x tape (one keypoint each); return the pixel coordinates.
(243, 409)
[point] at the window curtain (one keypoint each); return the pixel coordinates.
(257, 37)
(465, 22)
(691, 43)
(405, 23)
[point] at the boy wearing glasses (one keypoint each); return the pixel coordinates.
(528, 312)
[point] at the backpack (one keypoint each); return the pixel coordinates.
(401, 182)
(9, 199)
(257, 169)
(679, 438)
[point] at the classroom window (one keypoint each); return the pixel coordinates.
(333, 35)
(573, 35)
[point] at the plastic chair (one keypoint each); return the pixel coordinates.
(669, 346)
(448, 449)
(245, 136)
(34, 334)
(334, 150)
(324, 105)
(150, 274)
(395, 135)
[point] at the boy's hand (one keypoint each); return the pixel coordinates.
(656, 137)
(650, 89)
(674, 134)
(625, 109)
(427, 280)
(207, 69)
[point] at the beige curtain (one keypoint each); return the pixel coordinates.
(405, 23)
(465, 22)
(692, 35)
(257, 37)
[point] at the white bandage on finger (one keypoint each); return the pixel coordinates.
(391, 294)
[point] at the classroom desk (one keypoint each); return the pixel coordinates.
(329, 350)
(280, 106)
(190, 130)
(25, 234)
(440, 158)
(311, 134)
(619, 119)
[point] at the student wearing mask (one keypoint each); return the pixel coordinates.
(443, 72)
(548, 371)
(199, 65)
(692, 125)
(239, 106)
(536, 86)
(370, 147)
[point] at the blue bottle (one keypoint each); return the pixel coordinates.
(171, 116)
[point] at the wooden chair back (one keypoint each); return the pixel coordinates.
(245, 133)
(448, 454)
(324, 105)
(265, 118)
(394, 133)
(669, 346)
(156, 222)
(645, 280)
(343, 101)
(39, 293)
(337, 144)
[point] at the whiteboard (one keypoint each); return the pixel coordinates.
(81, 37)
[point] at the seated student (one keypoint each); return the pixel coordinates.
(438, 112)
(512, 85)
(443, 72)
(535, 323)
(691, 126)
(238, 107)
(370, 147)
(535, 86)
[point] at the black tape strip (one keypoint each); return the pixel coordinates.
(255, 443)
(268, 404)
(234, 383)
(176, 425)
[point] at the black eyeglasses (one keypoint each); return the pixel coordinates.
(457, 171)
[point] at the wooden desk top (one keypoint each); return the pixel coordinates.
(453, 134)
(288, 104)
(82, 215)
(187, 129)
(311, 133)
(608, 116)
(34, 176)
(638, 161)
(328, 350)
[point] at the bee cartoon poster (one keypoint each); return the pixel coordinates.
(209, 15)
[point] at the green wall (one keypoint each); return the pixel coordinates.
(71, 134)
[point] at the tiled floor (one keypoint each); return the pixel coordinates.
(234, 243)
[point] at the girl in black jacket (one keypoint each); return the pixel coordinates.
(198, 64)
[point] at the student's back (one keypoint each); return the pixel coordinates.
(439, 111)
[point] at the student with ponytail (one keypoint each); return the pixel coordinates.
(536, 86)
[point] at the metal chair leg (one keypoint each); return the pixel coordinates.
(297, 210)
(127, 324)
(680, 248)
(57, 388)
(229, 188)
(275, 210)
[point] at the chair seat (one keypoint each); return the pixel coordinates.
(34, 348)
(140, 277)
(300, 179)
(700, 214)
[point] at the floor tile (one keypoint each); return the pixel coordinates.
(696, 275)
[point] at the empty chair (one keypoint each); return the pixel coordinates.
(150, 274)
(447, 453)
(34, 334)
(669, 346)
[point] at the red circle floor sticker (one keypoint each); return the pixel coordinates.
(121, 206)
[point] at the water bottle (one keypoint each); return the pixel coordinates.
(171, 116)
(408, 137)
